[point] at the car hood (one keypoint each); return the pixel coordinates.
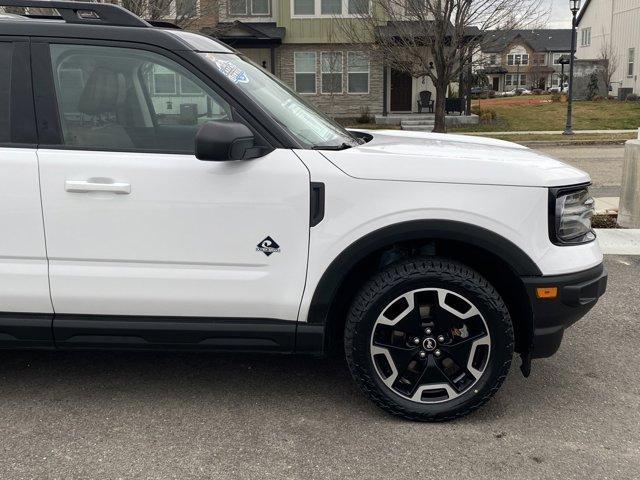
(432, 157)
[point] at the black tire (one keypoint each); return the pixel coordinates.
(418, 273)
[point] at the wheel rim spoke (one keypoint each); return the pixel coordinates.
(409, 359)
(432, 374)
(460, 351)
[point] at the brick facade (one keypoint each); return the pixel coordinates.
(338, 104)
(208, 13)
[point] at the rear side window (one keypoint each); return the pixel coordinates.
(121, 99)
(6, 56)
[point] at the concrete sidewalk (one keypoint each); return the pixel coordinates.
(618, 241)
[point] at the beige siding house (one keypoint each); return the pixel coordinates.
(525, 58)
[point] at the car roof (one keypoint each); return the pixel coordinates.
(118, 25)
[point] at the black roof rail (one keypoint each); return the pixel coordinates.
(80, 12)
(160, 24)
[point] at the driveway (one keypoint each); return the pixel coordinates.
(602, 162)
(165, 416)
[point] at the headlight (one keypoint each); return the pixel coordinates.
(572, 212)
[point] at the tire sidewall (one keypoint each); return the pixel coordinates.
(482, 296)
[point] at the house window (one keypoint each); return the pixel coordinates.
(585, 36)
(511, 80)
(249, 7)
(304, 68)
(631, 61)
(493, 59)
(331, 78)
(331, 8)
(539, 59)
(303, 7)
(357, 72)
(557, 79)
(260, 7)
(518, 59)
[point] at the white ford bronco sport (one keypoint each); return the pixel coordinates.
(160, 191)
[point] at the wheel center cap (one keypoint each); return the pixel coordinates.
(429, 344)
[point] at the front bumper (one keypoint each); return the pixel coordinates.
(577, 293)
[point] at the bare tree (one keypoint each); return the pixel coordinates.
(611, 60)
(438, 39)
(537, 70)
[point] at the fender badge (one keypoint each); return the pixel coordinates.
(268, 246)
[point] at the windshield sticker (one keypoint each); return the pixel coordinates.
(231, 71)
(309, 119)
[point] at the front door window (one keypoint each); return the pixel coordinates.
(126, 99)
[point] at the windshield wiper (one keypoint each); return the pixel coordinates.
(342, 146)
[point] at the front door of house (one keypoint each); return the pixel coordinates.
(496, 84)
(401, 91)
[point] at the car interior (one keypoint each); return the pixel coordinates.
(120, 99)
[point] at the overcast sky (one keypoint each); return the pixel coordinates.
(560, 16)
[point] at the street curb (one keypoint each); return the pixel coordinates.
(568, 143)
(619, 241)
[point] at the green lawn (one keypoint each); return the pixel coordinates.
(609, 114)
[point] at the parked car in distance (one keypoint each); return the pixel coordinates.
(517, 91)
(479, 90)
(557, 89)
(163, 192)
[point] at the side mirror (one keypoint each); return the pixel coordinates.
(221, 141)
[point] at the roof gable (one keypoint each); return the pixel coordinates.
(539, 40)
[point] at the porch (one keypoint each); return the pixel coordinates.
(423, 122)
(409, 102)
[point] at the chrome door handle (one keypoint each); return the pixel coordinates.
(84, 186)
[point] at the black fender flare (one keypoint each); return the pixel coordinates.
(327, 287)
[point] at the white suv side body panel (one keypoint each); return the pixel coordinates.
(356, 207)
(183, 242)
(24, 286)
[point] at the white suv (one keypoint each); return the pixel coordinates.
(162, 192)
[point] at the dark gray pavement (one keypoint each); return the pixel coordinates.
(178, 416)
(602, 162)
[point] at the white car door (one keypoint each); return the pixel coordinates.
(25, 305)
(133, 230)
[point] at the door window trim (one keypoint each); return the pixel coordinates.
(46, 101)
(21, 104)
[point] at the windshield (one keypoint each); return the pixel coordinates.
(312, 128)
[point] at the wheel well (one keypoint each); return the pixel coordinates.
(498, 272)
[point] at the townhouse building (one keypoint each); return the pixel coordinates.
(304, 43)
(609, 28)
(525, 58)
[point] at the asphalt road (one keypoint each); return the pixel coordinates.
(180, 416)
(603, 162)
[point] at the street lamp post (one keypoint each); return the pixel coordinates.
(574, 7)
